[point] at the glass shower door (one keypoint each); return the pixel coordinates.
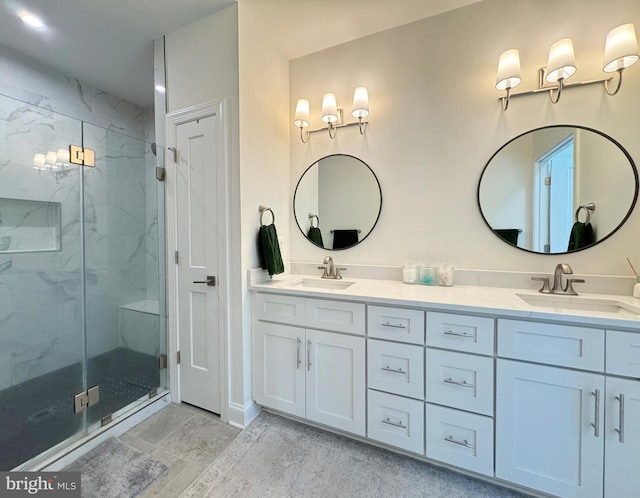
(124, 236)
(41, 282)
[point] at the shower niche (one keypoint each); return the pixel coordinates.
(29, 226)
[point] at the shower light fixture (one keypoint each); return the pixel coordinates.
(620, 52)
(332, 115)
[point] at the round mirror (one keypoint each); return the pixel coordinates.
(558, 189)
(337, 202)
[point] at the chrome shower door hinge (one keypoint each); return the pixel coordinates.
(85, 399)
(178, 357)
(162, 361)
(160, 174)
(83, 157)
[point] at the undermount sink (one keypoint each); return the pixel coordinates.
(558, 302)
(313, 283)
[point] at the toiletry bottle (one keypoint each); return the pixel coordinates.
(636, 288)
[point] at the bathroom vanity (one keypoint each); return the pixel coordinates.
(540, 392)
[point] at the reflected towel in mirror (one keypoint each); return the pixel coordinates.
(315, 236)
(581, 236)
(345, 238)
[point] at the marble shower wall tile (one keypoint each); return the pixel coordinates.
(41, 110)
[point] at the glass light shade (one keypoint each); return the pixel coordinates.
(39, 160)
(63, 156)
(621, 48)
(52, 158)
(301, 118)
(509, 74)
(360, 102)
(329, 108)
(562, 60)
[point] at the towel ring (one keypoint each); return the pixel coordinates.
(311, 217)
(587, 208)
(262, 210)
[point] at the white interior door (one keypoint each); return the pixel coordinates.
(197, 245)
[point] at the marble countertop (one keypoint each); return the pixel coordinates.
(601, 310)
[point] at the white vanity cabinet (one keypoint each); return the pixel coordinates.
(622, 415)
(316, 374)
(549, 428)
(395, 377)
(459, 390)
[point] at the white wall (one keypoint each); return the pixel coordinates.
(435, 121)
(221, 57)
(264, 162)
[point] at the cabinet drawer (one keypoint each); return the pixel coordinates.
(460, 380)
(471, 334)
(396, 421)
(459, 438)
(277, 308)
(337, 316)
(396, 324)
(563, 345)
(623, 353)
(396, 368)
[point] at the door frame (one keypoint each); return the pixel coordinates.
(173, 120)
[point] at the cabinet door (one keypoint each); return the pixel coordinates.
(622, 441)
(279, 367)
(549, 428)
(336, 380)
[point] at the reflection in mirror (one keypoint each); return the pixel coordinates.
(558, 189)
(337, 202)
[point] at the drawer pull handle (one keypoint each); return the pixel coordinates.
(464, 443)
(298, 360)
(395, 424)
(393, 325)
(458, 334)
(462, 383)
(620, 429)
(389, 369)
(596, 422)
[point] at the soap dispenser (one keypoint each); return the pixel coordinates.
(636, 288)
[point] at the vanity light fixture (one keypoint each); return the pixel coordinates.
(620, 52)
(332, 115)
(509, 75)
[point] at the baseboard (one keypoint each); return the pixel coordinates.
(241, 415)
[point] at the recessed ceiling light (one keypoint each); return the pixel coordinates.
(32, 20)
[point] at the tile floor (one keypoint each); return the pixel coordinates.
(186, 439)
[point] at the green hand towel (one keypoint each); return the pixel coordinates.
(268, 245)
(315, 236)
(581, 236)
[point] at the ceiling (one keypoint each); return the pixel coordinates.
(109, 43)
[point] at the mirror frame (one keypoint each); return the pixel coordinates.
(612, 140)
(296, 193)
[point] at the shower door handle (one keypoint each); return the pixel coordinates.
(210, 281)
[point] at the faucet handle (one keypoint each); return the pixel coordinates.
(338, 270)
(324, 271)
(570, 281)
(545, 289)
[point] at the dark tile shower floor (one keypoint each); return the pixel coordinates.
(38, 414)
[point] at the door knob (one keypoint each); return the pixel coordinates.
(210, 281)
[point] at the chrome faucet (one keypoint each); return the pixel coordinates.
(330, 271)
(558, 288)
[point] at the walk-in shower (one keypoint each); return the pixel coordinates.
(81, 280)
